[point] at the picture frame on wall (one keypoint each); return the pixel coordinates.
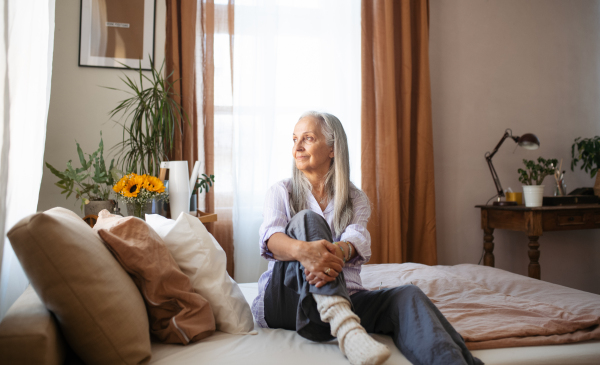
(115, 33)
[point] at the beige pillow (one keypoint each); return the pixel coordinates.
(98, 307)
(177, 313)
(29, 334)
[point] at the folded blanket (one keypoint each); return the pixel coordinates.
(492, 308)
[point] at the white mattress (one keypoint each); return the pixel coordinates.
(282, 347)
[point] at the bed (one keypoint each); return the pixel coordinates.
(487, 306)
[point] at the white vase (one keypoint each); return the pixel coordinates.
(533, 195)
(179, 187)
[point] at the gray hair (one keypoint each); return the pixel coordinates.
(337, 179)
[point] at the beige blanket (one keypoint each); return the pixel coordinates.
(492, 308)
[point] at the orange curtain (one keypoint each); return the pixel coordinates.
(215, 19)
(180, 65)
(397, 140)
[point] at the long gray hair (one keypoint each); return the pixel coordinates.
(337, 180)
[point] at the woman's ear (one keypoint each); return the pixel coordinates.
(331, 153)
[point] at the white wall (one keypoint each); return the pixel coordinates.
(79, 106)
(532, 66)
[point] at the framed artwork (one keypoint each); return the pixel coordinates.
(116, 32)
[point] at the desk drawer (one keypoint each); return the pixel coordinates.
(559, 221)
(567, 219)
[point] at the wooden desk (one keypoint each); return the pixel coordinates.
(534, 222)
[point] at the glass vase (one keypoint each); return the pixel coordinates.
(139, 210)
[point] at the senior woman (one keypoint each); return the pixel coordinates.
(315, 236)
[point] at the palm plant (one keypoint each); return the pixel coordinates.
(152, 117)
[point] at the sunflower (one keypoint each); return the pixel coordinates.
(154, 184)
(133, 186)
(121, 184)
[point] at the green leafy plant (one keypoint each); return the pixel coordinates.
(152, 117)
(535, 173)
(204, 183)
(91, 181)
(587, 151)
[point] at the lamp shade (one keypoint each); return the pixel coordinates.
(529, 141)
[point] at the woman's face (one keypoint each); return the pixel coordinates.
(310, 151)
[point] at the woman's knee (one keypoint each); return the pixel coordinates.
(306, 212)
(308, 226)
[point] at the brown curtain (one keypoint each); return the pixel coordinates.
(214, 19)
(180, 64)
(397, 140)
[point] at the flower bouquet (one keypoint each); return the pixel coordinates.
(137, 191)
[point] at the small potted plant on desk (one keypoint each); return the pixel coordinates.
(587, 151)
(532, 178)
(91, 182)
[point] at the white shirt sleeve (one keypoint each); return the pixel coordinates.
(356, 232)
(275, 217)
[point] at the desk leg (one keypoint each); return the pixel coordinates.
(488, 246)
(534, 256)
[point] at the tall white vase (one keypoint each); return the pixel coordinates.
(179, 187)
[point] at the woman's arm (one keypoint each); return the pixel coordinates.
(315, 256)
(356, 232)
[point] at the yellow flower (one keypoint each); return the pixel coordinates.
(133, 186)
(121, 184)
(154, 184)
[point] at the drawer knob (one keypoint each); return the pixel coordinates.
(571, 219)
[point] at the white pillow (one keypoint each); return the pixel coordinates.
(203, 260)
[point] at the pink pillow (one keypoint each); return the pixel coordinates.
(177, 314)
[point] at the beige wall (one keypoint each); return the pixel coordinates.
(532, 66)
(79, 106)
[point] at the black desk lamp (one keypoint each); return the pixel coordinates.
(528, 141)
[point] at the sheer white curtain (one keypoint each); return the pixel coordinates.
(289, 57)
(26, 68)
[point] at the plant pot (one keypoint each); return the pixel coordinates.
(597, 184)
(194, 203)
(534, 195)
(95, 206)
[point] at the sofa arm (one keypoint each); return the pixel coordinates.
(29, 333)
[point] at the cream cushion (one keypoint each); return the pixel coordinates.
(202, 259)
(29, 334)
(98, 307)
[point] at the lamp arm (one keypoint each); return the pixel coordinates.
(507, 133)
(488, 158)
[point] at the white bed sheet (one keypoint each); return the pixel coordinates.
(282, 347)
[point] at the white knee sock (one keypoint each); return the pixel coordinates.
(355, 343)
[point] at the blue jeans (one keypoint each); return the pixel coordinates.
(419, 329)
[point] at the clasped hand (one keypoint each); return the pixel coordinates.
(317, 257)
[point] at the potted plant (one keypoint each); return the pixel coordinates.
(532, 178)
(152, 117)
(91, 182)
(202, 183)
(587, 151)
